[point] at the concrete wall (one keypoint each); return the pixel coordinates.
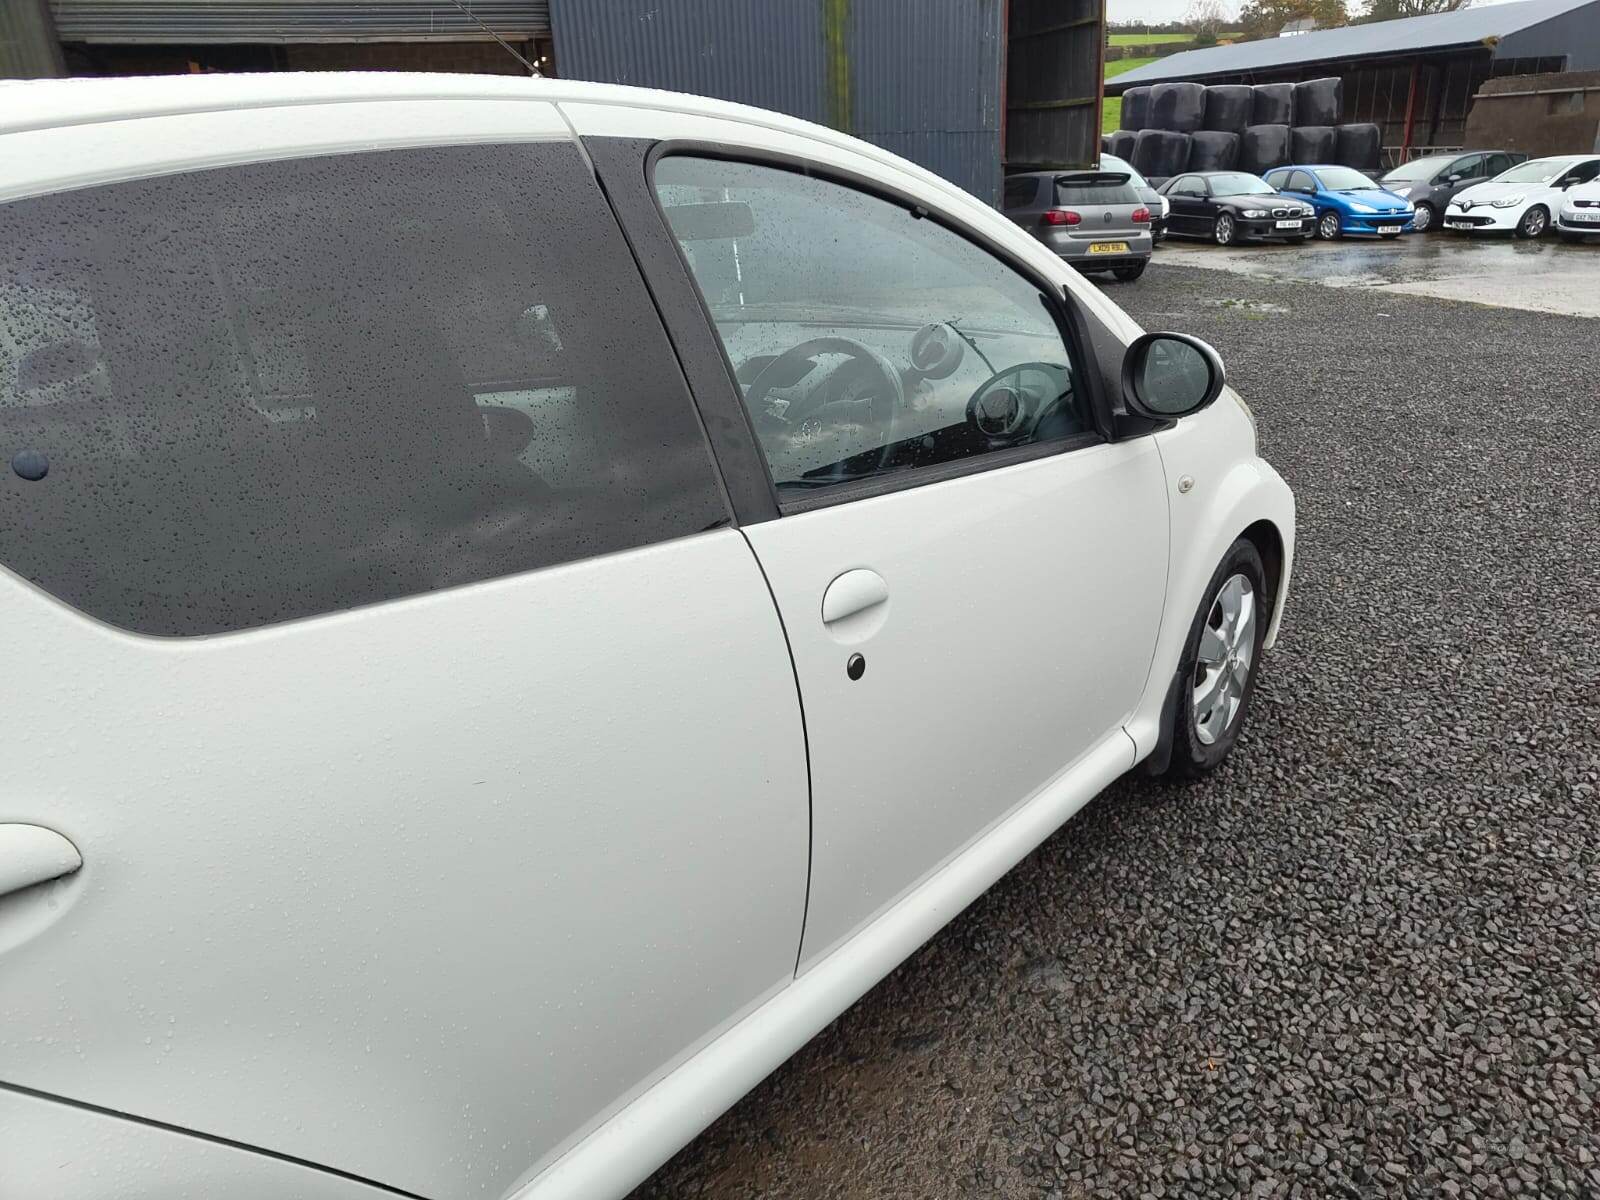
(1538, 114)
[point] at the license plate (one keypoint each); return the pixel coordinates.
(1587, 218)
(1108, 247)
(1288, 224)
(1388, 229)
(1458, 224)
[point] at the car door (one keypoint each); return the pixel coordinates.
(1188, 203)
(1471, 169)
(426, 733)
(970, 576)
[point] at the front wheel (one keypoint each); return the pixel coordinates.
(1534, 222)
(1129, 274)
(1224, 231)
(1328, 228)
(1423, 219)
(1217, 676)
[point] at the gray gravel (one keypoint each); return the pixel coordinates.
(1364, 958)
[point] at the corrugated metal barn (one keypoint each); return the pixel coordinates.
(1416, 77)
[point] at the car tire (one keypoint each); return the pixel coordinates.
(1203, 734)
(1129, 274)
(1328, 227)
(1425, 218)
(1534, 223)
(1225, 230)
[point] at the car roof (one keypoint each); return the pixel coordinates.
(51, 103)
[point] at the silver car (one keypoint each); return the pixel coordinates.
(1095, 220)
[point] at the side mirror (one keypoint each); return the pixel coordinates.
(1169, 375)
(1452, 178)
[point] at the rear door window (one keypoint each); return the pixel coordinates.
(1089, 192)
(271, 391)
(1021, 191)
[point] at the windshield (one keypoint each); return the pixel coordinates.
(1239, 184)
(1420, 168)
(1343, 179)
(1071, 191)
(1110, 162)
(1539, 170)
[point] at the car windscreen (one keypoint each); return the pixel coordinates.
(1538, 170)
(1343, 179)
(1420, 168)
(1094, 191)
(1239, 184)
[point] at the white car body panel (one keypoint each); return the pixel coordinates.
(437, 821)
(381, 963)
(1481, 197)
(1568, 217)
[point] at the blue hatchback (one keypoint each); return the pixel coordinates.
(1346, 200)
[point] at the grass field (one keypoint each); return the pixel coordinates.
(1146, 39)
(1111, 110)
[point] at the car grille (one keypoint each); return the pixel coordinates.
(1455, 216)
(1287, 212)
(1586, 204)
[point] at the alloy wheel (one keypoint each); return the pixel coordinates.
(1224, 230)
(1534, 222)
(1226, 656)
(1328, 227)
(1422, 221)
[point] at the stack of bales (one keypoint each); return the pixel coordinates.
(1169, 128)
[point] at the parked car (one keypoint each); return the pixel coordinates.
(1346, 201)
(1153, 199)
(1430, 182)
(1234, 206)
(1522, 199)
(464, 735)
(1094, 220)
(1579, 214)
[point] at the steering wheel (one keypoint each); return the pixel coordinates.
(1005, 411)
(892, 398)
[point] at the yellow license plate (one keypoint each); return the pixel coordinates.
(1108, 247)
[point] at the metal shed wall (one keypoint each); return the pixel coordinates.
(920, 78)
(1573, 35)
(218, 22)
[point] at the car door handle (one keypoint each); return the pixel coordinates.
(31, 854)
(851, 593)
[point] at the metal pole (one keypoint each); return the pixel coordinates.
(1411, 108)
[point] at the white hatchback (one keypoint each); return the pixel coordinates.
(1579, 214)
(527, 598)
(1522, 200)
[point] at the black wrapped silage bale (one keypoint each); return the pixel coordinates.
(1360, 146)
(1135, 109)
(1273, 104)
(1213, 150)
(1317, 145)
(1158, 153)
(1263, 147)
(1122, 144)
(1179, 107)
(1230, 107)
(1319, 101)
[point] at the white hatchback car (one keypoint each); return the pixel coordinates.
(1522, 200)
(528, 598)
(1579, 214)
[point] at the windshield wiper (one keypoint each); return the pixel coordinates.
(954, 323)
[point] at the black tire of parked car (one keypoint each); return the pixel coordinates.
(1224, 231)
(1328, 227)
(1426, 219)
(1190, 757)
(1129, 274)
(1535, 222)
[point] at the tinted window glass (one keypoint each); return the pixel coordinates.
(277, 390)
(1091, 191)
(865, 340)
(1300, 181)
(1021, 191)
(1474, 166)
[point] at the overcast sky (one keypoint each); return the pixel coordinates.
(1160, 11)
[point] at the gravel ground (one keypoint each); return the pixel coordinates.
(1364, 958)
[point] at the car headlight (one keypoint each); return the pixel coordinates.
(1255, 212)
(1357, 206)
(1401, 191)
(1507, 202)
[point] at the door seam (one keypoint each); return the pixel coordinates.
(214, 1139)
(805, 739)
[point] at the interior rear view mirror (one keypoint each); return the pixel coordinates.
(708, 222)
(1167, 375)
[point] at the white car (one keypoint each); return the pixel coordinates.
(1522, 200)
(1110, 162)
(1579, 214)
(527, 598)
